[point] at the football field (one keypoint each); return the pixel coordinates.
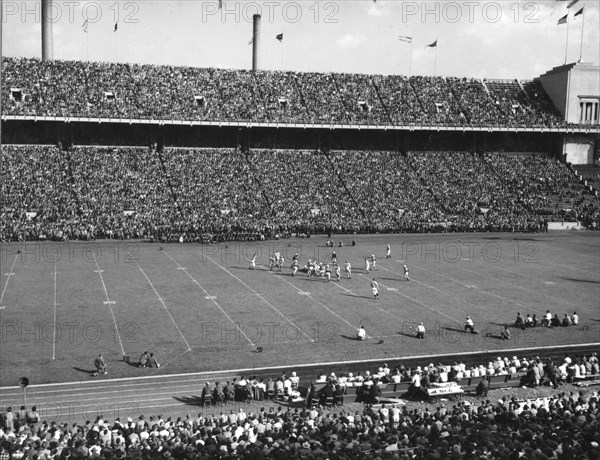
(200, 307)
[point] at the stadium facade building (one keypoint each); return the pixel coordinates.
(575, 92)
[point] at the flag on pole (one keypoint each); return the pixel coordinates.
(220, 4)
(432, 45)
(405, 38)
(572, 3)
(279, 37)
(563, 20)
(85, 26)
(578, 13)
(116, 26)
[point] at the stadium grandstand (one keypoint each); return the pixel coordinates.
(205, 214)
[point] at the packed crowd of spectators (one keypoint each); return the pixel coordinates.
(184, 194)
(530, 372)
(564, 425)
(130, 91)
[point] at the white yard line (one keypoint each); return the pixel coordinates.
(54, 317)
(211, 298)
(375, 304)
(416, 301)
(262, 298)
(164, 306)
(10, 273)
(109, 303)
(322, 304)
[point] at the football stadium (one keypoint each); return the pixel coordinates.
(317, 230)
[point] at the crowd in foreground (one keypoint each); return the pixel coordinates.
(207, 195)
(56, 88)
(563, 426)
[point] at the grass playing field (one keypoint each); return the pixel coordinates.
(200, 308)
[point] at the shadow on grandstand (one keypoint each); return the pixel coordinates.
(189, 400)
(579, 280)
(358, 296)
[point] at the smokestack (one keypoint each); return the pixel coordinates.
(255, 40)
(47, 53)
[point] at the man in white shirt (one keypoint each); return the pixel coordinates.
(469, 326)
(421, 331)
(361, 334)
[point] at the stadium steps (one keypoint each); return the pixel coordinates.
(343, 182)
(167, 175)
(381, 101)
(258, 180)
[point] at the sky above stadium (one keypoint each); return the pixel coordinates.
(494, 39)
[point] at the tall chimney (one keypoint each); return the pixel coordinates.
(255, 40)
(46, 31)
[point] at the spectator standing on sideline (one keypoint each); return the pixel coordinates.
(421, 331)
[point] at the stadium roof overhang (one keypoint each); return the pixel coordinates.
(586, 129)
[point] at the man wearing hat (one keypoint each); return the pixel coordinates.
(421, 331)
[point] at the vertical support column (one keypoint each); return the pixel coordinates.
(255, 40)
(47, 45)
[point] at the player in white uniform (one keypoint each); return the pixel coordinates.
(373, 262)
(327, 274)
(406, 273)
(348, 269)
(253, 262)
(333, 258)
(375, 288)
(388, 252)
(338, 273)
(280, 263)
(367, 265)
(294, 267)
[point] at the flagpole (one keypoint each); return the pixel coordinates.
(567, 43)
(282, 45)
(410, 61)
(435, 65)
(87, 46)
(581, 44)
(117, 43)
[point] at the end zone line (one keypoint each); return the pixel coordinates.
(289, 366)
(10, 273)
(417, 302)
(184, 270)
(164, 306)
(323, 305)
(54, 332)
(110, 306)
(261, 297)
